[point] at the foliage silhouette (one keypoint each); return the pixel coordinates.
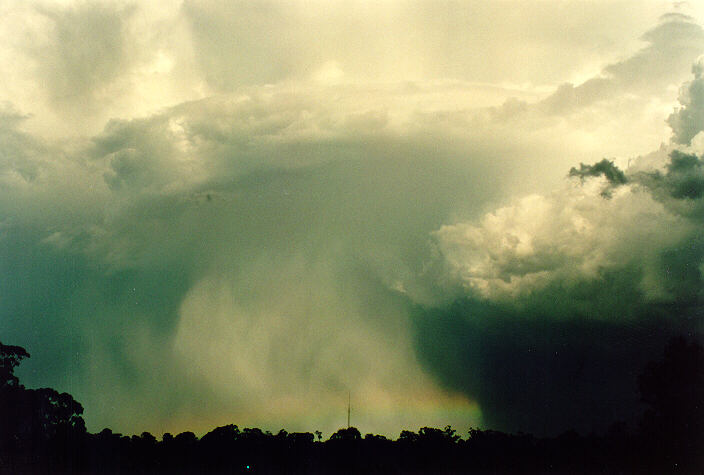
(10, 357)
(34, 421)
(349, 434)
(674, 391)
(43, 432)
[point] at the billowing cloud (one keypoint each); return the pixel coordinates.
(680, 185)
(578, 234)
(615, 253)
(687, 121)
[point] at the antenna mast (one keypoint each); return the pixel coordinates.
(348, 408)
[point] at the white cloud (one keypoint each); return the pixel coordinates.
(585, 230)
(570, 236)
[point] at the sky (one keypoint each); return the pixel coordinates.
(483, 214)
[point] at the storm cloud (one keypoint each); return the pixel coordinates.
(552, 283)
(219, 213)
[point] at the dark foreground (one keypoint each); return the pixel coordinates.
(228, 450)
(42, 431)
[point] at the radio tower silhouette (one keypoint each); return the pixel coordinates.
(349, 399)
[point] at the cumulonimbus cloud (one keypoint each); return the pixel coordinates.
(582, 231)
(231, 243)
(612, 252)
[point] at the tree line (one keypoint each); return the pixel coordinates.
(42, 431)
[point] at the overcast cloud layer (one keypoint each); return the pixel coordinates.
(462, 213)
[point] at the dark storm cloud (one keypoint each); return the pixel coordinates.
(568, 296)
(605, 168)
(685, 176)
(679, 185)
(546, 347)
(541, 370)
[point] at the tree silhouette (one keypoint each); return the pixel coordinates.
(673, 388)
(33, 419)
(42, 431)
(10, 357)
(348, 434)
